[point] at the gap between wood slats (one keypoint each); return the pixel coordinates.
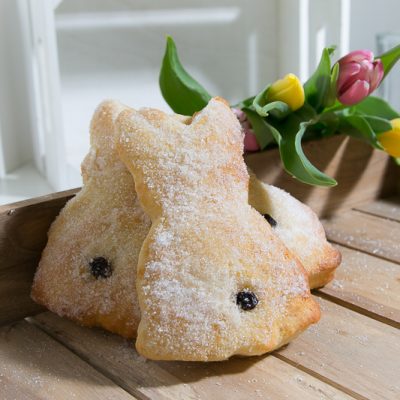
(351, 305)
(372, 214)
(367, 284)
(370, 234)
(357, 309)
(388, 208)
(352, 350)
(320, 377)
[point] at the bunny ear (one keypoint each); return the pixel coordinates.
(146, 132)
(221, 122)
(103, 121)
(103, 138)
(137, 137)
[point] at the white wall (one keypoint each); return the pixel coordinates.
(114, 50)
(370, 18)
(15, 110)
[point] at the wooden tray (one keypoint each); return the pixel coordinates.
(353, 352)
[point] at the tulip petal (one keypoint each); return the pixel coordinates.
(288, 90)
(356, 92)
(346, 72)
(391, 142)
(250, 141)
(357, 56)
(376, 76)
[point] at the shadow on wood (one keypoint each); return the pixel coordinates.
(23, 235)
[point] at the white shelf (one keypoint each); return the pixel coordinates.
(23, 183)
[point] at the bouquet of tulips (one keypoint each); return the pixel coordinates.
(335, 100)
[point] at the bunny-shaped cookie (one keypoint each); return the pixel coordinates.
(299, 228)
(88, 269)
(213, 280)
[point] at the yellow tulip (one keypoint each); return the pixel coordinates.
(289, 90)
(390, 140)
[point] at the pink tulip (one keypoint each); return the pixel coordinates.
(359, 76)
(250, 140)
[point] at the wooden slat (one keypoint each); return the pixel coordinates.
(240, 378)
(368, 284)
(387, 208)
(371, 234)
(23, 235)
(363, 174)
(348, 348)
(34, 366)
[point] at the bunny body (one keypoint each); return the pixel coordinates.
(206, 244)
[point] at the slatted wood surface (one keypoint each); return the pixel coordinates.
(352, 353)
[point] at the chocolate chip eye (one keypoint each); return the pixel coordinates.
(100, 267)
(246, 300)
(270, 220)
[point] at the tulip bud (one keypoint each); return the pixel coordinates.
(289, 90)
(359, 76)
(390, 140)
(250, 141)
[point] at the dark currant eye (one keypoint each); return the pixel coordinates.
(246, 300)
(100, 267)
(270, 220)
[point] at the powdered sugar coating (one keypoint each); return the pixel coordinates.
(206, 243)
(103, 220)
(299, 228)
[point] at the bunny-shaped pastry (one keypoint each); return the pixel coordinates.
(299, 228)
(213, 280)
(88, 269)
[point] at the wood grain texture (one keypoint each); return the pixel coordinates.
(34, 366)
(239, 378)
(363, 174)
(348, 348)
(367, 284)
(23, 235)
(386, 208)
(373, 235)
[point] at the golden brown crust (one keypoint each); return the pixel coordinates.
(206, 243)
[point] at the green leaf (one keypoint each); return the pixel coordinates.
(328, 124)
(357, 126)
(182, 93)
(317, 89)
(263, 108)
(377, 107)
(378, 124)
(396, 160)
(331, 96)
(336, 106)
(244, 103)
(293, 158)
(260, 127)
(389, 59)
